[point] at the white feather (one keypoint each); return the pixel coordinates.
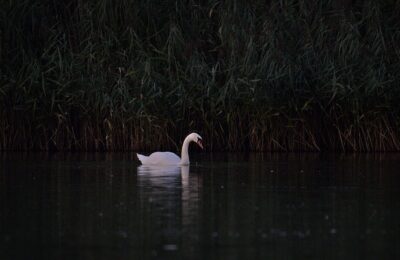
(168, 158)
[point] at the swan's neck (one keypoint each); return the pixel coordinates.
(185, 152)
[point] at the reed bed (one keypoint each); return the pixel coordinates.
(248, 75)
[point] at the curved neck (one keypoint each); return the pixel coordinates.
(185, 151)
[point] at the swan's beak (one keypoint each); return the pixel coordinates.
(200, 144)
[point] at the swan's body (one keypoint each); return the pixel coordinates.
(168, 158)
(160, 158)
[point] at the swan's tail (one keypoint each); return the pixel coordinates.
(142, 158)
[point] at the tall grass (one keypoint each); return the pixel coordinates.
(129, 75)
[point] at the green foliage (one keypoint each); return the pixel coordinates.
(128, 75)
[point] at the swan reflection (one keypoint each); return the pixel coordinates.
(173, 190)
(164, 175)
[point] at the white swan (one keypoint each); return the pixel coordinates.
(168, 158)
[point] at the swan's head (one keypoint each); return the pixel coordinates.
(194, 137)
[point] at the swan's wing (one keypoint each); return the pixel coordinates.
(163, 158)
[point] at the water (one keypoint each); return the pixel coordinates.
(225, 206)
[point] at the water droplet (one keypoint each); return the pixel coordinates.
(123, 234)
(170, 247)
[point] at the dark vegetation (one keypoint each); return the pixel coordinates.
(247, 75)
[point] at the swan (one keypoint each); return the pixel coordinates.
(168, 158)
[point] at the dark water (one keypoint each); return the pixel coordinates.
(226, 206)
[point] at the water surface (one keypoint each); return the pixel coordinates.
(224, 206)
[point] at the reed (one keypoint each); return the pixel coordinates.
(127, 75)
